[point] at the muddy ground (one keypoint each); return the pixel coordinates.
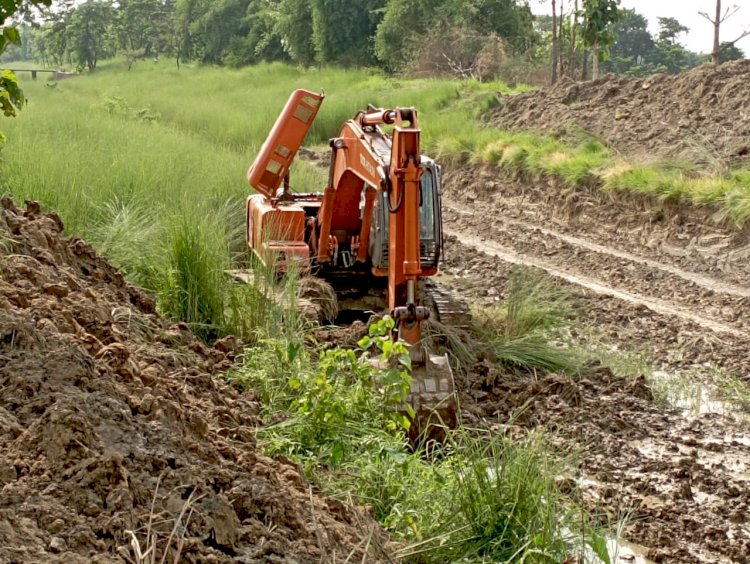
(701, 116)
(665, 283)
(117, 436)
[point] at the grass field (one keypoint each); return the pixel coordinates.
(149, 165)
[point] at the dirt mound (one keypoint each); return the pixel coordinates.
(700, 115)
(115, 433)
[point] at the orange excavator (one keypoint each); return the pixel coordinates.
(374, 233)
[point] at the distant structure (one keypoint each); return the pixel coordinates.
(56, 74)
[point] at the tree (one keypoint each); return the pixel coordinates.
(669, 55)
(717, 20)
(670, 29)
(214, 29)
(597, 31)
(89, 31)
(555, 44)
(142, 28)
(341, 30)
(633, 52)
(409, 24)
(294, 25)
(730, 52)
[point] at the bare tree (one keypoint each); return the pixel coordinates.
(717, 20)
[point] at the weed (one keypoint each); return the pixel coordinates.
(193, 290)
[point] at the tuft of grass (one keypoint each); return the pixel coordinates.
(194, 282)
(522, 332)
(126, 232)
(495, 500)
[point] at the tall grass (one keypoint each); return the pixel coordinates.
(522, 332)
(149, 165)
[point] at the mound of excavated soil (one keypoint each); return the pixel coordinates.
(699, 115)
(112, 420)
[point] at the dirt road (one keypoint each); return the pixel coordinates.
(663, 282)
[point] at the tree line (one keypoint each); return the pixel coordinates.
(392, 34)
(466, 38)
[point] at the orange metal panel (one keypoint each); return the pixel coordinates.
(276, 231)
(278, 151)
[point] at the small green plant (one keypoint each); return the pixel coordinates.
(336, 402)
(118, 106)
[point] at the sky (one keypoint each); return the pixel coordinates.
(700, 37)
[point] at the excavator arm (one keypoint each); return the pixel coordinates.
(365, 158)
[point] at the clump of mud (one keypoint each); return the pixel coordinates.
(115, 430)
(700, 115)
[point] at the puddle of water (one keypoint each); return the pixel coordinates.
(623, 552)
(619, 551)
(693, 397)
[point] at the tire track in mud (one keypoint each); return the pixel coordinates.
(682, 477)
(712, 304)
(654, 304)
(698, 279)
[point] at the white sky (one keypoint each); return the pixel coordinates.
(700, 37)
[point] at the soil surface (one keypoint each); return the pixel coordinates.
(701, 115)
(117, 435)
(664, 282)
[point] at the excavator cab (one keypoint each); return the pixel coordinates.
(430, 223)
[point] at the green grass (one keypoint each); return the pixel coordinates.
(523, 331)
(729, 193)
(149, 165)
(480, 497)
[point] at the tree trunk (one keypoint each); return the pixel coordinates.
(560, 37)
(595, 61)
(573, 51)
(585, 69)
(717, 24)
(555, 46)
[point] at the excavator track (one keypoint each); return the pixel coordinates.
(445, 306)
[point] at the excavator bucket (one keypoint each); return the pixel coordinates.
(433, 399)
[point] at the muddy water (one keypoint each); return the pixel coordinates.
(696, 397)
(623, 552)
